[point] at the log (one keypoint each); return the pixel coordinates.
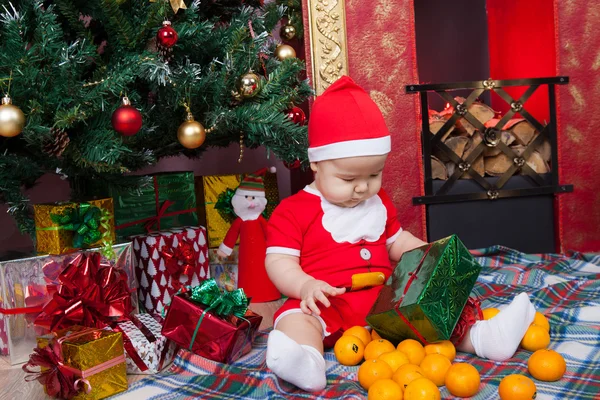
(478, 165)
(435, 124)
(481, 111)
(438, 169)
(535, 160)
(457, 144)
(545, 150)
(497, 165)
(523, 131)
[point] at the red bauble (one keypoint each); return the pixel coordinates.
(296, 115)
(294, 165)
(166, 36)
(126, 119)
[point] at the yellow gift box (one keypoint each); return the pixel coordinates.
(96, 356)
(208, 190)
(55, 239)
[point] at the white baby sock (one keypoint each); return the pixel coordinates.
(302, 365)
(498, 338)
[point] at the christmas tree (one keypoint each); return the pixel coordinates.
(195, 73)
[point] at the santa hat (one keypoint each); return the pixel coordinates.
(345, 122)
(253, 184)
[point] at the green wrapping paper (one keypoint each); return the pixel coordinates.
(425, 296)
(168, 202)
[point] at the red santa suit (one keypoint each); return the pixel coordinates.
(250, 226)
(306, 225)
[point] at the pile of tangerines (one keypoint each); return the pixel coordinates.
(411, 371)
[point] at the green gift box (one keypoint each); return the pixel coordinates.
(425, 296)
(166, 200)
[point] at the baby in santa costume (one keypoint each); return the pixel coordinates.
(331, 246)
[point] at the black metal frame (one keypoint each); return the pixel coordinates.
(490, 138)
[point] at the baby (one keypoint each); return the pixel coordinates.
(331, 247)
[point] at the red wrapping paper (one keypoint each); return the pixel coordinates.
(166, 261)
(218, 339)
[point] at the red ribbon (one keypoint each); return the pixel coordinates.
(87, 295)
(413, 277)
(180, 260)
(61, 380)
(21, 310)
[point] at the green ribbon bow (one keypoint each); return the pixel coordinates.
(218, 302)
(84, 221)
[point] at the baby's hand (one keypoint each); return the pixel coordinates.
(317, 290)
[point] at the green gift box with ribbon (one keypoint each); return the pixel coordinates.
(426, 294)
(212, 323)
(65, 227)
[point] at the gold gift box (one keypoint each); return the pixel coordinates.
(90, 349)
(59, 241)
(208, 189)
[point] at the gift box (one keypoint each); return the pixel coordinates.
(147, 351)
(210, 189)
(27, 284)
(425, 296)
(224, 271)
(89, 294)
(163, 201)
(80, 363)
(212, 323)
(168, 260)
(66, 227)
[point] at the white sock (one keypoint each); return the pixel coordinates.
(301, 365)
(498, 338)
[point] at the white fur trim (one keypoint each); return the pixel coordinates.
(226, 249)
(255, 193)
(296, 311)
(393, 238)
(283, 250)
(351, 148)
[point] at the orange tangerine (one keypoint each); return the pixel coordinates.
(394, 359)
(490, 313)
(435, 367)
(517, 387)
(444, 347)
(375, 348)
(462, 380)
(536, 338)
(371, 371)
(413, 349)
(422, 389)
(541, 320)
(407, 373)
(546, 365)
(349, 350)
(360, 332)
(385, 389)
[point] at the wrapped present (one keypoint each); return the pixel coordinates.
(147, 351)
(63, 228)
(79, 363)
(88, 294)
(224, 271)
(214, 197)
(212, 323)
(27, 284)
(426, 294)
(167, 260)
(168, 200)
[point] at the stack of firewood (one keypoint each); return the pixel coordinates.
(463, 138)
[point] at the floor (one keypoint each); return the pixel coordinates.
(12, 378)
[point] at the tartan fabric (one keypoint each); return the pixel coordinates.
(566, 288)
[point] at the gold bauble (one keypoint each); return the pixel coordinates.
(249, 85)
(12, 119)
(285, 51)
(287, 32)
(191, 134)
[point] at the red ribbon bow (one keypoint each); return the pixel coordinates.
(87, 295)
(160, 213)
(60, 381)
(180, 260)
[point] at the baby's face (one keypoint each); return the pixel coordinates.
(347, 182)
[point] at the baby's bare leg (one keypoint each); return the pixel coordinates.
(295, 351)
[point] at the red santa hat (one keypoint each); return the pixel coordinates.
(345, 122)
(253, 184)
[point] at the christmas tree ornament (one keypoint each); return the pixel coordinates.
(249, 85)
(296, 115)
(166, 37)
(284, 51)
(57, 143)
(12, 119)
(287, 32)
(191, 134)
(176, 5)
(293, 165)
(126, 119)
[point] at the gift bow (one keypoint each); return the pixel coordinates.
(180, 260)
(84, 220)
(87, 295)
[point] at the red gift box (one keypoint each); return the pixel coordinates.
(168, 260)
(222, 339)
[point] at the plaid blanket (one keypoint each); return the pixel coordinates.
(566, 288)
